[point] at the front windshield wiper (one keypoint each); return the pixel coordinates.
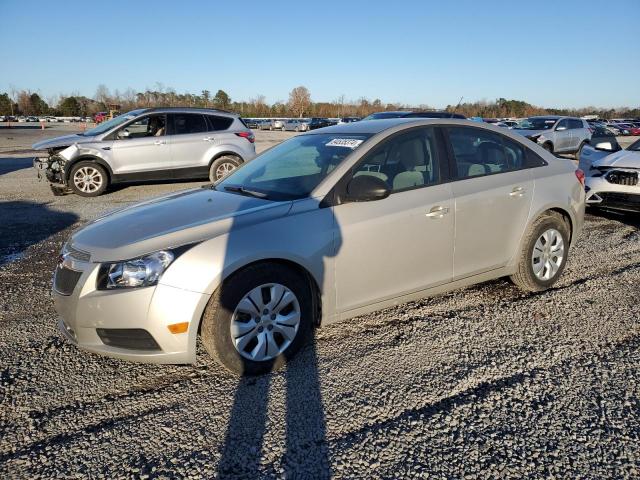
(245, 191)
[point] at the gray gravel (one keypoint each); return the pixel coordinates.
(486, 382)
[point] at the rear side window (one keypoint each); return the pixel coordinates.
(220, 123)
(478, 152)
(563, 123)
(186, 123)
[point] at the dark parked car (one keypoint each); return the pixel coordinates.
(410, 114)
(317, 122)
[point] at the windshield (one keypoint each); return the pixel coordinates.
(292, 169)
(537, 123)
(114, 122)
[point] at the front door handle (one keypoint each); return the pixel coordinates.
(437, 212)
(517, 192)
(208, 139)
(159, 142)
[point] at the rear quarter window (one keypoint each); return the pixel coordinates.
(220, 123)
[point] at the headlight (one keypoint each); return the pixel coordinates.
(138, 272)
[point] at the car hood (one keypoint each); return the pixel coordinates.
(528, 133)
(171, 221)
(63, 141)
(623, 159)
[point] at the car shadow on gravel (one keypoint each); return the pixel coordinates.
(11, 164)
(27, 223)
(628, 218)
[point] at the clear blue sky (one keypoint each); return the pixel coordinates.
(549, 53)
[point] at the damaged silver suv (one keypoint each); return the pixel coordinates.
(146, 144)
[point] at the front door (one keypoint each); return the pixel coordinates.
(403, 243)
(493, 189)
(140, 148)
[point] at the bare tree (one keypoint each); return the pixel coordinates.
(102, 94)
(299, 100)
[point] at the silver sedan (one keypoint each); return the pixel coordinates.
(296, 125)
(324, 227)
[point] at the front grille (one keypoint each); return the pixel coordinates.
(622, 177)
(130, 338)
(65, 280)
(77, 254)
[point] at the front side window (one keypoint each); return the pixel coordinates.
(404, 162)
(148, 126)
(479, 152)
(186, 123)
(292, 169)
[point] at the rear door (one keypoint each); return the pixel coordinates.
(578, 132)
(190, 139)
(492, 190)
(142, 147)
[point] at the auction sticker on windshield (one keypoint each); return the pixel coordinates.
(351, 143)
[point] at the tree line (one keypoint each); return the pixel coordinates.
(299, 104)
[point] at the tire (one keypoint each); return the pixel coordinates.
(221, 314)
(548, 147)
(223, 166)
(525, 277)
(88, 179)
(297, 129)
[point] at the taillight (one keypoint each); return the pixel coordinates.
(248, 135)
(580, 176)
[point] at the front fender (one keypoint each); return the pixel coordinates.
(76, 153)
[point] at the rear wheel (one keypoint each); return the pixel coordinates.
(258, 319)
(544, 255)
(579, 152)
(548, 147)
(223, 166)
(88, 179)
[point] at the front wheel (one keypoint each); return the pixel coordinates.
(88, 179)
(544, 255)
(258, 319)
(223, 166)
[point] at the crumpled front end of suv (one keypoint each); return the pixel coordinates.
(613, 182)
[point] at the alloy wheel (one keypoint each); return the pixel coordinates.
(88, 179)
(265, 322)
(224, 169)
(548, 254)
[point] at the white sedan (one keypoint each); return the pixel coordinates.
(612, 177)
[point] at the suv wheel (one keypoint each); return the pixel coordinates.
(223, 166)
(548, 147)
(88, 179)
(258, 318)
(579, 152)
(544, 255)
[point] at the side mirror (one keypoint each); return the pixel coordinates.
(124, 134)
(365, 188)
(560, 129)
(604, 146)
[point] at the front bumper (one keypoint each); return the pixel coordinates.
(601, 193)
(87, 316)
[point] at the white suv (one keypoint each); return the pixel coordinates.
(147, 144)
(556, 134)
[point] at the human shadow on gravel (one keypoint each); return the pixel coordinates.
(27, 223)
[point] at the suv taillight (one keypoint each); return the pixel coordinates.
(248, 135)
(580, 176)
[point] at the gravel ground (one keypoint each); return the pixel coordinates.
(486, 382)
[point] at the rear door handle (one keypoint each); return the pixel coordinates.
(208, 139)
(517, 192)
(437, 212)
(159, 142)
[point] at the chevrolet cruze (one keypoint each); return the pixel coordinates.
(326, 226)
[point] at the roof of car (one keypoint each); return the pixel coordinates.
(377, 126)
(189, 110)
